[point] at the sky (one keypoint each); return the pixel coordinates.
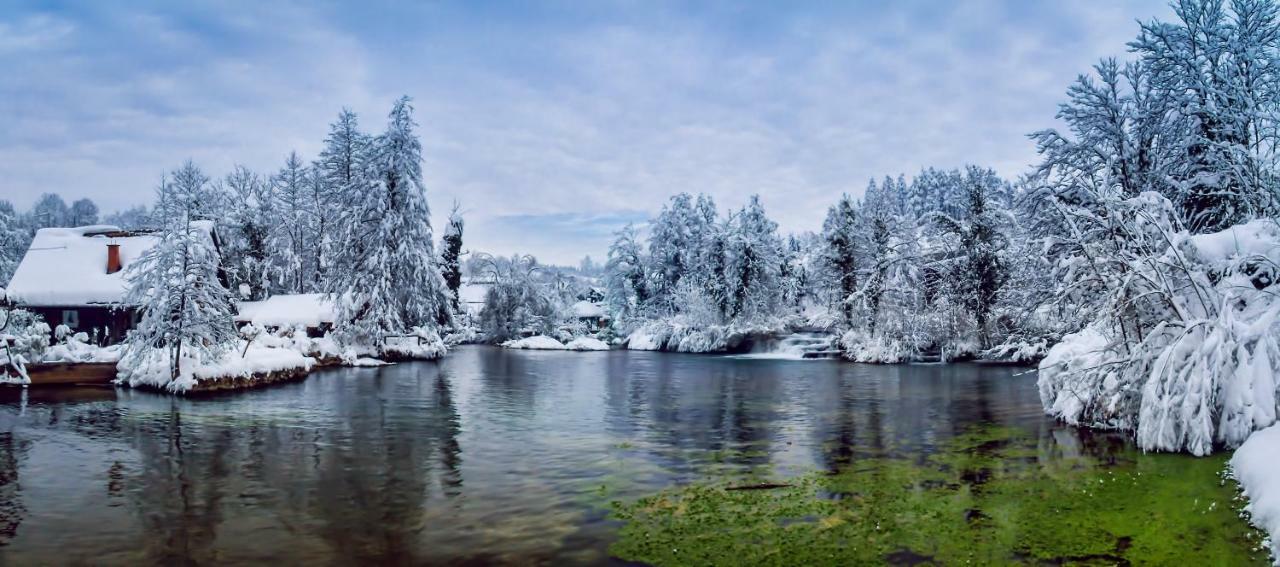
(552, 124)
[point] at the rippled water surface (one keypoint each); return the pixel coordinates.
(487, 456)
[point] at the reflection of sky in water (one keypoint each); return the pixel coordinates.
(491, 455)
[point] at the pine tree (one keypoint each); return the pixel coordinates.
(840, 253)
(187, 317)
(981, 242)
(451, 256)
(752, 263)
(672, 242)
(385, 272)
(292, 223)
(248, 237)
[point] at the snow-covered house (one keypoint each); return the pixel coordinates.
(591, 313)
(76, 277)
(313, 311)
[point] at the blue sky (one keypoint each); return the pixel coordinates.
(552, 123)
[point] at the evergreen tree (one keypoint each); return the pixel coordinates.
(291, 227)
(981, 270)
(672, 242)
(752, 262)
(840, 253)
(385, 273)
(451, 256)
(248, 236)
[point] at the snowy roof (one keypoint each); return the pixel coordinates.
(306, 309)
(587, 309)
(68, 266)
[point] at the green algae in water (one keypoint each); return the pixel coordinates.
(991, 496)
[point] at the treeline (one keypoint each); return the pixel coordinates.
(919, 264)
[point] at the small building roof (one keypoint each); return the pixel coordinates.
(305, 309)
(588, 310)
(68, 266)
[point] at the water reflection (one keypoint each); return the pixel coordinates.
(490, 455)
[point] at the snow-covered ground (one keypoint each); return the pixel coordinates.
(1256, 466)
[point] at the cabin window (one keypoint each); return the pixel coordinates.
(71, 318)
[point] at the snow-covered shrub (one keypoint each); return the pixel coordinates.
(423, 343)
(1185, 343)
(24, 338)
(75, 347)
(860, 346)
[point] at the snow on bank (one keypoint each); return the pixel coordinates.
(543, 342)
(674, 336)
(255, 363)
(1198, 371)
(1256, 466)
(424, 344)
(587, 343)
(536, 342)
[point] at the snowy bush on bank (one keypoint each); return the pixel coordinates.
(75, 347)
(255, 361)
(859, 346)
(27, 338)
(536, 342)
(1186, 346)
(586, 343)
(422, 344)
(1254, 466)
(677, 335)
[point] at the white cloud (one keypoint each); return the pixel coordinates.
(604, 113)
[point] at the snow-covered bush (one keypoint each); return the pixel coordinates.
(1185, 344)
(24, 338)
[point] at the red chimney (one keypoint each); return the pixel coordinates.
(113, 258)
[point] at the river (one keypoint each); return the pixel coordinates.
(497, 456)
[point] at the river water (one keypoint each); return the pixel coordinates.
(487, 456)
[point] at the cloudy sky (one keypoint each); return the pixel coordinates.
(555, 123)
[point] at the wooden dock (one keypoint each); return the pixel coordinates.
(71, 373)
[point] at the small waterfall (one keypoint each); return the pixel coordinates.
(796, 346)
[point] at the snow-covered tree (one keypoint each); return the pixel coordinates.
(14, 241)
(517, 302)
(83, 212)
(133, 218)
(626, 286)
(752, 262)
(50, 211)
(978, 270)
(385, 272)
(248, 237)
(840, 253)
(187, 314)
(451, 256)
(673, 241)
(291, 262)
